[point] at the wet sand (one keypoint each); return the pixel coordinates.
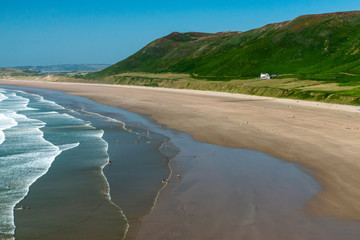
(229, 193)
(318, 136)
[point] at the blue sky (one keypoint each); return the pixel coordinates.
(62, 31)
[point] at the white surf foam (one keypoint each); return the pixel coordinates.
(108, 119)
(2, 96)
(5, 123)
(69, 146)
(49, 104)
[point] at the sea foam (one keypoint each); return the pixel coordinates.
(5, 123)
(2, 96)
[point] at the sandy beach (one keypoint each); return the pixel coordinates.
(320, 137)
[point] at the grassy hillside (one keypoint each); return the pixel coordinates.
(317, 47)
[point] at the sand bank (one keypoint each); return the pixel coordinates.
(319, 136)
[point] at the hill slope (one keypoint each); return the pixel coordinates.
(316, 46)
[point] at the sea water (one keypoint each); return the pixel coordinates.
(26, 154)
(54, 151)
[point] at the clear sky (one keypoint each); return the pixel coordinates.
(60, 31)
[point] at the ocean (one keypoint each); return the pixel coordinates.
(64, 149)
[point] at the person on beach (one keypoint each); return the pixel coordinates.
(110, 163)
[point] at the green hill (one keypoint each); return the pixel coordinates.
(320, 47)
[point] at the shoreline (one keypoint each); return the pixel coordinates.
(108, 190)
(312, 134)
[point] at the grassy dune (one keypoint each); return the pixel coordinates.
(283, 87)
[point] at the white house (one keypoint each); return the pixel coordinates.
(264, 76)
